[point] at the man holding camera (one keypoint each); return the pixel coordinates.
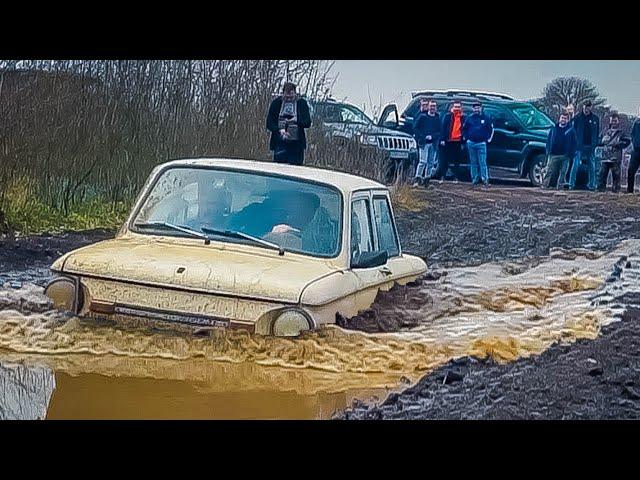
(287, 119)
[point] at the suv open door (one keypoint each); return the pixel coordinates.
(389, 118)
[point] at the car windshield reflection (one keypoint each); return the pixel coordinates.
(296, 215)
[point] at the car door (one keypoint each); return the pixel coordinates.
(364, 239)
(389, 117)
(505, 148)
(373, 229)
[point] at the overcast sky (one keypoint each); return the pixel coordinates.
(367, 82)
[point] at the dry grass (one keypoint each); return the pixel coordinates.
(407, 198)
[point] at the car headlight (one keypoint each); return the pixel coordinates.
(291, 323)
(368, 139)
(64, 294)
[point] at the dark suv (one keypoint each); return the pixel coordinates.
(520, 129)
(346, 122)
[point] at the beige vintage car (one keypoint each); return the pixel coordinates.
(274, 249)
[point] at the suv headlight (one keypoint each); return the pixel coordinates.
(291, 323)
(368, 139)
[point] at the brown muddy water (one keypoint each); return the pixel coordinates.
(53, 366)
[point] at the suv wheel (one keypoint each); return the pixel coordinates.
(537, 170)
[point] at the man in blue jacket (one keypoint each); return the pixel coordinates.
(478, 131)
(561, 146)
(287, 119)
(426, 130)
(587, 128)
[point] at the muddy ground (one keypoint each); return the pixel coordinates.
(591, 379)
(455, 225)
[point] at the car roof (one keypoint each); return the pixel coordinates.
(343, 181)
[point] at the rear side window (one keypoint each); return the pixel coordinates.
(387, 239)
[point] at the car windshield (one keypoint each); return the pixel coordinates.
(294, 214)
(339, 113)
(531, 117)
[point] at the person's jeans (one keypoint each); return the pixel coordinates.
(478, 161)
(603, 175)
(427, 160)
(634, 164)
(556, 171)
(586, 154)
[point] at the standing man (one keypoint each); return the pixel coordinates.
(571, 111)
(561, 147)
(634, 163)
(451, 142)
(287, 119)
(426, 130)
(587, 127)
(613, 143)
(477, 130)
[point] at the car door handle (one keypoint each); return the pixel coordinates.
(386, 271)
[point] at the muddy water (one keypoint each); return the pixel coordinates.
(145, 370)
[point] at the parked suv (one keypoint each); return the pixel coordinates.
(347, 122)
(520, 135)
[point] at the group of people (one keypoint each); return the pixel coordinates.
(576, 140)
(573, 141)
(447, 138)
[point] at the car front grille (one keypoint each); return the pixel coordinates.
(394, 143)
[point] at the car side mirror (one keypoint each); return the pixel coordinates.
(370, 259)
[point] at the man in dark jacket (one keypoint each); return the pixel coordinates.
(287, 119)
(613, 143)
(451, 142)
(571, 111)
(634, 163)
(478, 131)
(426, 130)
(587, 127)
(561, 147)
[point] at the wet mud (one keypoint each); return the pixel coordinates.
(503, 290)
(462, 226)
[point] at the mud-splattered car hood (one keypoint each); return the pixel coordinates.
(215, 268)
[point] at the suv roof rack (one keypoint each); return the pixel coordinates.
(460, 93)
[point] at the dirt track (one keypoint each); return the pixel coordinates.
(461, 226)
(592, 379)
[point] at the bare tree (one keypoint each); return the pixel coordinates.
(562, 91)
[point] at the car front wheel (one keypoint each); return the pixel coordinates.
(537, 170)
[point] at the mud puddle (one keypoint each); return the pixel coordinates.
(127, 370)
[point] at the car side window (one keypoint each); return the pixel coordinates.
(361, 230)
(498, 116)
(387, 239)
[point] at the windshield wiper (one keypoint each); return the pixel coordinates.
(234, 234)
(177, 228)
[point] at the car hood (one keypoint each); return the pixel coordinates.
(367, 129)
(228, 269)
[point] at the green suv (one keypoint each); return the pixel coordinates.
(520, 134)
